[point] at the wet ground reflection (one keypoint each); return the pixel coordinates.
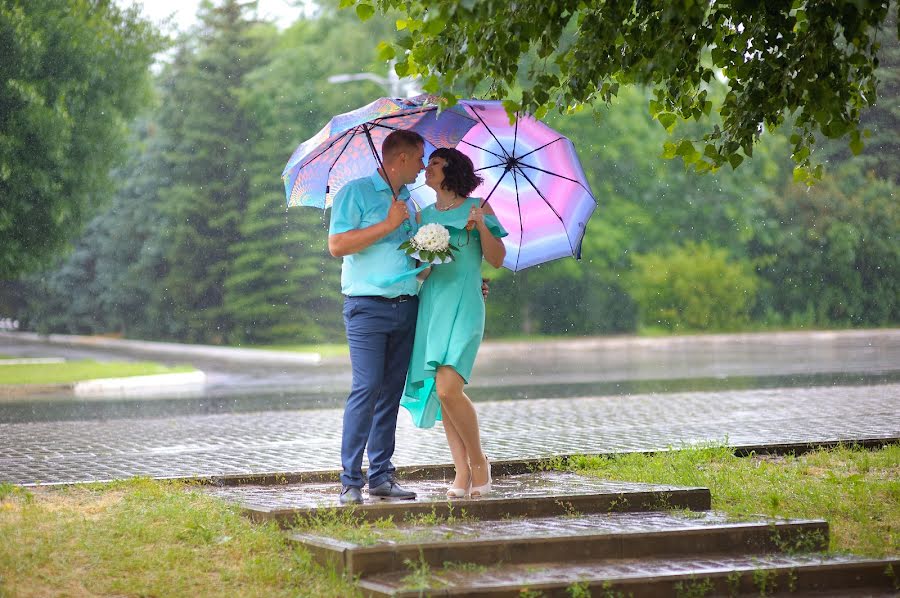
(218, 401)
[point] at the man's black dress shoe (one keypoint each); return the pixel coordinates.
(351, 495)
(391, 489)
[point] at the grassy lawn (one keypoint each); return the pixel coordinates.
(146, 538)
(75, 371)
(152, 538)
(857, 491)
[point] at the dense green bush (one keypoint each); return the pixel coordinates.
(693, 287)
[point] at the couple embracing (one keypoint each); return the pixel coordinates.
(410, 345)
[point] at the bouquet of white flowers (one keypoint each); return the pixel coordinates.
(430, 244)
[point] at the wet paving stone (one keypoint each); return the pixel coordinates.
(309, 440)
(533, 494)
(760, 574)
(464, 529)
(368, 550)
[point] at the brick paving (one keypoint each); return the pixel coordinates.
(309, 440)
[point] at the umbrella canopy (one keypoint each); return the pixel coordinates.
(532, 179)
(349, 146)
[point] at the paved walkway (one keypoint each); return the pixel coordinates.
(308, 440)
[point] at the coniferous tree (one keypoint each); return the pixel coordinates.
(210, 134)
(284, 286)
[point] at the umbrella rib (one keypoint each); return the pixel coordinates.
(389, 128)
(418, 111)
(540, 148)
(330, 145)
(515, 136)
(497, 184)
(521, 224)
(488, 129)
(341, 153)
(498, 164)
(556, 174)
(485, 150)
(549, 205)
(381, 167)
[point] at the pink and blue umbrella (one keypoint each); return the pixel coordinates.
(349, 146)
(532, 179)
(532, 176)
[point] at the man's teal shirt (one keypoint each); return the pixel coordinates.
(360, 204)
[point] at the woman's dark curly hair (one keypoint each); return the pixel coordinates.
(459, 173)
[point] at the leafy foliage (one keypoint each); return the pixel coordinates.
(71, 76)
(694, 287)
(829, 254)
(197, 244)
(814, 60)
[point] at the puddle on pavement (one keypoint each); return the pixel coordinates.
(218, 401)
(462, 529)
(547, 483)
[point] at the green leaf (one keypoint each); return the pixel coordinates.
(735, 160)
(511, 106)
(435, 26)
(430, 85)
(385, 51)
(856, 144)
(364, 11)
(346, 3)
(667, 120)
(687, 152)
(669, 150)
(401, 24)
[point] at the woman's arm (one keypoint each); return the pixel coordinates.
(492, 247)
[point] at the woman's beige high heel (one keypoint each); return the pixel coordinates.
(460, 492)
(484, 489)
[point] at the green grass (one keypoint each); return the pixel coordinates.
(158, 538)
(856, 490)
(75, 371)
(147, 538)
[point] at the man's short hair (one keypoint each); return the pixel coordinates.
(400, 141)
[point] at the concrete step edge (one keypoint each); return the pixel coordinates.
(732, 539)
(697, 499)
(769, 580)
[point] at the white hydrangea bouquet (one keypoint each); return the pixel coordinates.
(430, 244)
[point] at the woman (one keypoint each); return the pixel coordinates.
(450, 322)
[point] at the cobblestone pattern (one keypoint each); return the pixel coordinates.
(308, 440)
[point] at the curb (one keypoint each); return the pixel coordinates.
(503, 467)
(154, 386)
(140, 386)
(235, 354)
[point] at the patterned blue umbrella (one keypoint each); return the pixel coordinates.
(349, 146)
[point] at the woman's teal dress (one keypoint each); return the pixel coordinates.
(450, 324)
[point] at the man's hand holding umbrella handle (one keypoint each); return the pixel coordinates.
(398, 213)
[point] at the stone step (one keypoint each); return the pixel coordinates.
(367, 550)
(538, 494)
(761, 574)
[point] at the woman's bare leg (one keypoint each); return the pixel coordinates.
(458, 451)
(456, 405)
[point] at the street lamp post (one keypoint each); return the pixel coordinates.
(396, 87)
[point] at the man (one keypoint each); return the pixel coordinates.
(367, 226)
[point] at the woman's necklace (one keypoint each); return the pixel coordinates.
(453, 204)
